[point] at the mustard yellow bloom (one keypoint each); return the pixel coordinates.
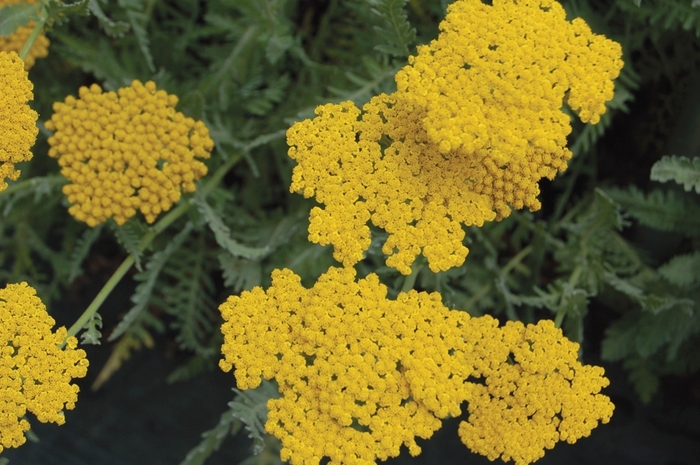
(476, 122)
(126, 151)
(18, 129)
(361, 375)
(15, 41)
(35, 373)
(539, 396)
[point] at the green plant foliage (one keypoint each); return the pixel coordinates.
(14, 16)
(397, 32)
(129, 235)
(92, 334)
(664, 210)
(678, 169)
(248, 409)
(81, 250)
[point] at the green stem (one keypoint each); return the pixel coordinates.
(32, 37)
(573, 280)
(410, 280)
(146, 240)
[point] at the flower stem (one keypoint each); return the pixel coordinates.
(410, 280)
(38, 26)
(146, 240)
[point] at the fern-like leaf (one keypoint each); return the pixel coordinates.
(81, 250)
(138, 20)
(147, 280)
(115, 29)
(129, 236)
(240, 274)
(682, 270)
(92, 334)
(222, 233)
(248, 408)
(667, 211)
(396, 31)
(678, 169)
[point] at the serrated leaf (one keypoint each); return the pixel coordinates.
(147, 281)
(129, 236)
(138, 20)
(664, 210)
(679, 169)
(649, 302)
(58, 12)
(250, 406)
(193, 367)
(395, 30)
(240, 274)
(619, 340)
(81, 250)
(92, 334)
(114, 29)
(682, 270)
(15, 16)
(222, 233)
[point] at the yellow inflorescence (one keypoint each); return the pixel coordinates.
(545, 395)
(361, 375)
(17, 119)
(126, 151)
(35, 373)
(476, 122)
(15, 41)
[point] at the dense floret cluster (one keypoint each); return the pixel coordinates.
(126, 151)
(475, 123)
(17, 119)
(361, 375)
(35, 373)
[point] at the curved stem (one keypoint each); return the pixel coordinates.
(146, 240)
(38, 26)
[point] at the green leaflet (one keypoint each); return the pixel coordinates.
(129, 235)
(395, 30)
(15, 16)
(682, 270)
(147, 280)
(679, 169)
(92, 334)
(81, 250)
(664, 210)
(223, 234)
(249, 408)
(115, 29)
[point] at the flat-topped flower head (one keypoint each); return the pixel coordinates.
(361, 375)
(493, 84)
(18, 129)
(537, 395)
(126, 151)
(381, 168)
(35, 374)
(475, 124)
(15, 41)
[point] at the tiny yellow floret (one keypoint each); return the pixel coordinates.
(361, 375)
(15, 41)
(35, 373)
(18, 129)
(126, 151)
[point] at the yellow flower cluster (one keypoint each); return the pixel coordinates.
(17, 119)
(475, 123)
(15, 41)
(361, 375)
(126, 151)
(35, 373)
(538, 395)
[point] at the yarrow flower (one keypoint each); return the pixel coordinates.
(126, 151)
(475, 123)
(15, 41)
(17, 119)
(35, 373)
(361, 375)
